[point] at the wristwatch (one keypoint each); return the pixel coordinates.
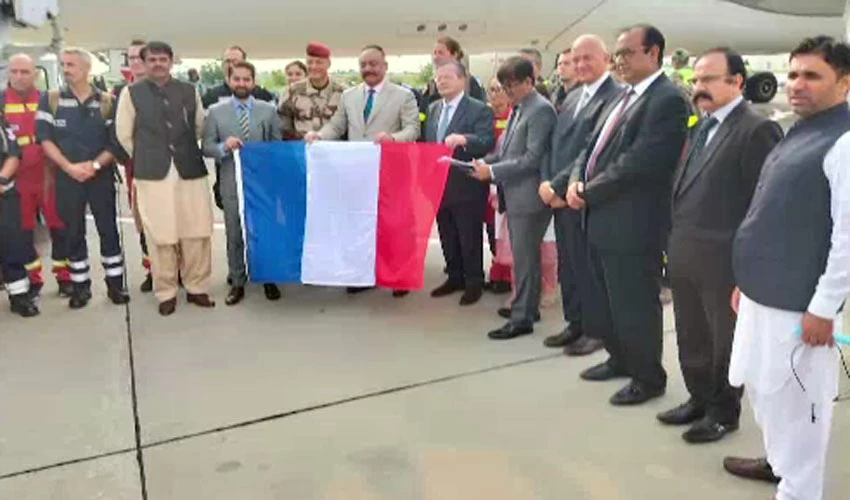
(96, 166)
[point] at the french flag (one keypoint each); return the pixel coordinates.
(340, 213)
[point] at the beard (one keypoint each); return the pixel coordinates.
(241, 92)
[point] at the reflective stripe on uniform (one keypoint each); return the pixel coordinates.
(68, 103)
(112, 272)
(26, 140)
(79, 266)
(60, 264)
(34, 265)
(501, 124)
(19, 287)
(45, 117)
(118, 259)
(20, 108)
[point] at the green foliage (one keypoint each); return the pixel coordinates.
(211, 74)
(274, 80)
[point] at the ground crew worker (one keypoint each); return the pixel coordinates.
(137, 72)
(311, 102)
(74, 125)
(34, 179)
(682, 74)
(13, 241)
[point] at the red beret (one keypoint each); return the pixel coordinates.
(318, 49)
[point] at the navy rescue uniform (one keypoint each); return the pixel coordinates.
(82, 131)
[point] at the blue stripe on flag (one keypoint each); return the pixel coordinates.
(274, 186)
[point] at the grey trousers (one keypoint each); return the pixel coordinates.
(237, 273)
(527, 232)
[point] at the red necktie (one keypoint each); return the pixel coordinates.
(603, 141)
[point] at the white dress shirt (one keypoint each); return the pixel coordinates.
(451, 110)
(720, 115)
(588, 91)
(834, 285)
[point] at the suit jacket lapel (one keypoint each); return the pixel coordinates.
(360, 104)
(725, 129)
(380, 99)
(460, 112)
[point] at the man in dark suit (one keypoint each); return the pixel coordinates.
(465, 125)
(517, 168)
(623, 181)
(581, 112)
(711, 192)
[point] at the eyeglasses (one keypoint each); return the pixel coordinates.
(494, 90)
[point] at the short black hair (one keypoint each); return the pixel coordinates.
(515, 69)
(735, 64)
(244, 65)
(652, 37)
(373, 46)
(833, 52)
(240, 49)
(157, 48)
(460, 69)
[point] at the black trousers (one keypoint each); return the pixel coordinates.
(461, 237)
(98, 193)
(705, 327)
(15, 249)
(573, 272)
(628, 288)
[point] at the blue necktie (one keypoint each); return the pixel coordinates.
(369, 102)
(443, 126)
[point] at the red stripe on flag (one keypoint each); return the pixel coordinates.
(410, 191)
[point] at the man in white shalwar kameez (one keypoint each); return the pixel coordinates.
(792, 267)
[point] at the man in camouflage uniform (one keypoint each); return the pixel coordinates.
(312, 102)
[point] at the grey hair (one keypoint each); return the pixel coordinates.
(81, 53)
(459, 68)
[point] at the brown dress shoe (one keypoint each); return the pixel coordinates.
(200, 300)
(750, 468)
(167, 308)
(584, 346)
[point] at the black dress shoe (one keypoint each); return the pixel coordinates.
(118, 296)
(684, 414)
(505, 312)
(500, 287)
(569, 335)
(601, 373)
(510, 331)
(147, 285)
(584, 346)
(272, 291)
(400, 293)
(470, 296)
(35, 289)
(235, 295)
(168, 307)
(354, 290)
(751, 468)
(23, 305)
(634, 394)
(200, 300)
(445, 289)
(708, 430)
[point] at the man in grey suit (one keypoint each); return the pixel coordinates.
(712, 190)
(229, 125)
(465, 125)
(517, 167)
(581, 112)
(376, 110)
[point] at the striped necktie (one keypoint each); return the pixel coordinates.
(370, 101)
(244, 121)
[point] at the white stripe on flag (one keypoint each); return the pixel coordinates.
(341, 225)
(240, 198)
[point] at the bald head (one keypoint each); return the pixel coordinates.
(590, 57)
(22, 73)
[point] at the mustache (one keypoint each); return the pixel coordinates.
(702, 95)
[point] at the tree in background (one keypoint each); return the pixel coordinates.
(274, 80)
(212, 74)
